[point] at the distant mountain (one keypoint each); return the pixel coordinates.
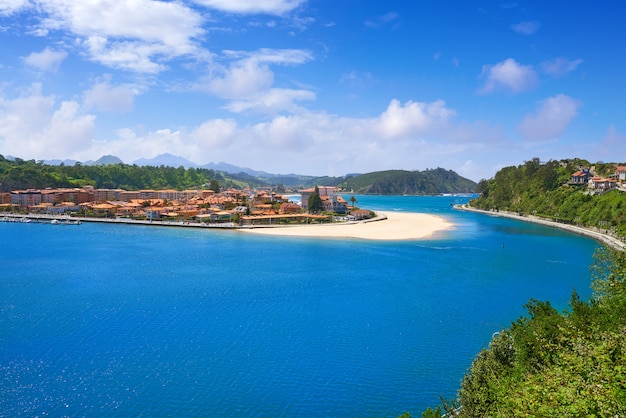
(105, 160)
(233, 169)
(397, 182)
(59, 162)
(167, 160)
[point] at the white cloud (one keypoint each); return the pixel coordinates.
(526, 27)
(243, 79)
(46, 60)
(8, 7)
(306, 142)
(215, 133)
(508, 75)
(248, 81)
(34, 126)
(552, 116)
(107, 97)
(380, 21)
(126, 34)
(272, 101)
(412, 119)
(272, 7)
(559, 67)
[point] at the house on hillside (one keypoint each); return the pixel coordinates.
(580, 177)
(602, 184)
(620, 172)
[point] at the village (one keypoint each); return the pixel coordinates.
(598, 183)
(230, 207)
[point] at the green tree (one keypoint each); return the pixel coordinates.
(315, 203)
(353, 201)
(214, 185)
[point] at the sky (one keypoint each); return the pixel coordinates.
(315, 87)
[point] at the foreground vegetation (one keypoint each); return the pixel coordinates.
(542, 189)
(549, 363)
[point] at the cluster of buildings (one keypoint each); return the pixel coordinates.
(597, 183)
(231, 205)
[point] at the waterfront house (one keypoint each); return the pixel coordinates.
(25, 198)
(332, 201)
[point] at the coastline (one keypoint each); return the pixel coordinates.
(603, 238)
(387, 226)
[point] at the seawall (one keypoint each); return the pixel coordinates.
(604, 238)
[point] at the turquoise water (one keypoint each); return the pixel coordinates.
(115, 320)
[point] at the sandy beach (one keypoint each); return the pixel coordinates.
(389, 226)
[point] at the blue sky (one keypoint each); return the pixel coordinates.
(315, 87)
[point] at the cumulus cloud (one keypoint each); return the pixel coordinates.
(508, 75)
(417, 130)
(552, 116)
(526, 27)
(36, 126)
(560, 67)
(272, 7)
(215, 133)
(413, 118)
(108, 97)
(126, 34)
(248, 81)
(46, 60)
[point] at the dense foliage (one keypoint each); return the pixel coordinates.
(19, 174)
(399, 182)
(542, 189)
(568, 364)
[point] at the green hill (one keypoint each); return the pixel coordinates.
(544, 190)
(550, 363)
(401, 182)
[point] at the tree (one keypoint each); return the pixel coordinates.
(214, 185)
(353, 201)
(315, 202)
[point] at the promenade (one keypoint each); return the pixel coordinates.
(598, 235)
(66, 220)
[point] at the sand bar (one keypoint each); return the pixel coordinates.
(388, 226)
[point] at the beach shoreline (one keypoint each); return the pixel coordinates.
(604, 238)
(386, 226)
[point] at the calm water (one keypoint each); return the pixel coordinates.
(114, 320)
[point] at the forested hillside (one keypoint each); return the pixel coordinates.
(399, 182)
(21, 174)
(555, 364)
(542, 189)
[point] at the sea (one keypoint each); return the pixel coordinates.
(144, 321)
